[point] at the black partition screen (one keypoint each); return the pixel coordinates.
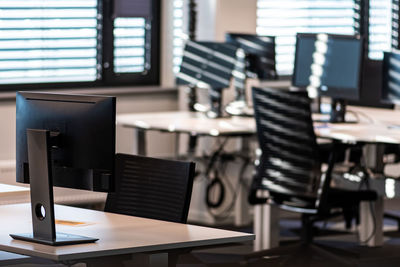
(207, 63)
(391, 77)
(260, 53)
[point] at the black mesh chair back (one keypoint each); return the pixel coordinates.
(289, 167)
(152, 188)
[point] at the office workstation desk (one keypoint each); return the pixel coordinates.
(373, 126)
(194, 124)
(120, 237)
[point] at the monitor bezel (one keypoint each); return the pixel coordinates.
(334, 92)
(91, 185)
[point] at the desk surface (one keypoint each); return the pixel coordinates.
(374, 125)
(118, 234)
(194, 123)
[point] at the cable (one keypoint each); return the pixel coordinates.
(216, 182)
(227, 211)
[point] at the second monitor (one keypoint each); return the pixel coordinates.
(329, 65)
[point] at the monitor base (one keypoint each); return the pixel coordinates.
(239, 108)
(61, 239)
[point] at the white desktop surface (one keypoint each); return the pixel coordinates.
(194, 123)
(374, 124)
(118, 234)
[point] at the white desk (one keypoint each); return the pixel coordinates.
(374, 127)
(194, 124)
(11, 194)
(118, 235)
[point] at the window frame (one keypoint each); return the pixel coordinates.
(361, 27)
(106, 52)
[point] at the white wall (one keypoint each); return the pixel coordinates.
(216, 17)
(7, 130)
(235, 16)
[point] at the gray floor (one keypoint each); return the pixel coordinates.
(334, 243)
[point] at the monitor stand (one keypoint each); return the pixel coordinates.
(215, 95)
(239, 107)
(42, 201)
(338, 111)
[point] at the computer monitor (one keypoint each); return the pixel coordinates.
(208, 65)
(257, 61)
(391, 77)
(329, 65)
(260, 54)
(62, 140)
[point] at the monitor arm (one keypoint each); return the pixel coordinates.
(215, 103)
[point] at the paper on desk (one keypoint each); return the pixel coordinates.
(73, 223)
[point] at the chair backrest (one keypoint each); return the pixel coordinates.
(289, 165)
(152, 188)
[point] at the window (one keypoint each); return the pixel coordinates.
(50, 43)
(285, 18)
(380, 28)
(178, 33)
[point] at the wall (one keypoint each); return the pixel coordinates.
(216, 17)
(235, 16)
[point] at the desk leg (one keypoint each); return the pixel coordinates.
(367, 224)
(242, 216)
(141, 142)
(242, 207)
(266, 226)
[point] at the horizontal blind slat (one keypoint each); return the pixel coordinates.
(48, 41)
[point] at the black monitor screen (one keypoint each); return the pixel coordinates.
(329, 63)
(391, 77)
(207, 64)
(83, 152)
(260, 53)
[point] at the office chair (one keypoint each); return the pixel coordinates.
(151, 188)
(290, 170)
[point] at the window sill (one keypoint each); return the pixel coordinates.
(114, 91)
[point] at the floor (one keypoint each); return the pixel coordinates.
(336, 245)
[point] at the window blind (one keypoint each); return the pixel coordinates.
(285, 18)
(130, 45)
(48, 41)
(380, 21)
(178, 34)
